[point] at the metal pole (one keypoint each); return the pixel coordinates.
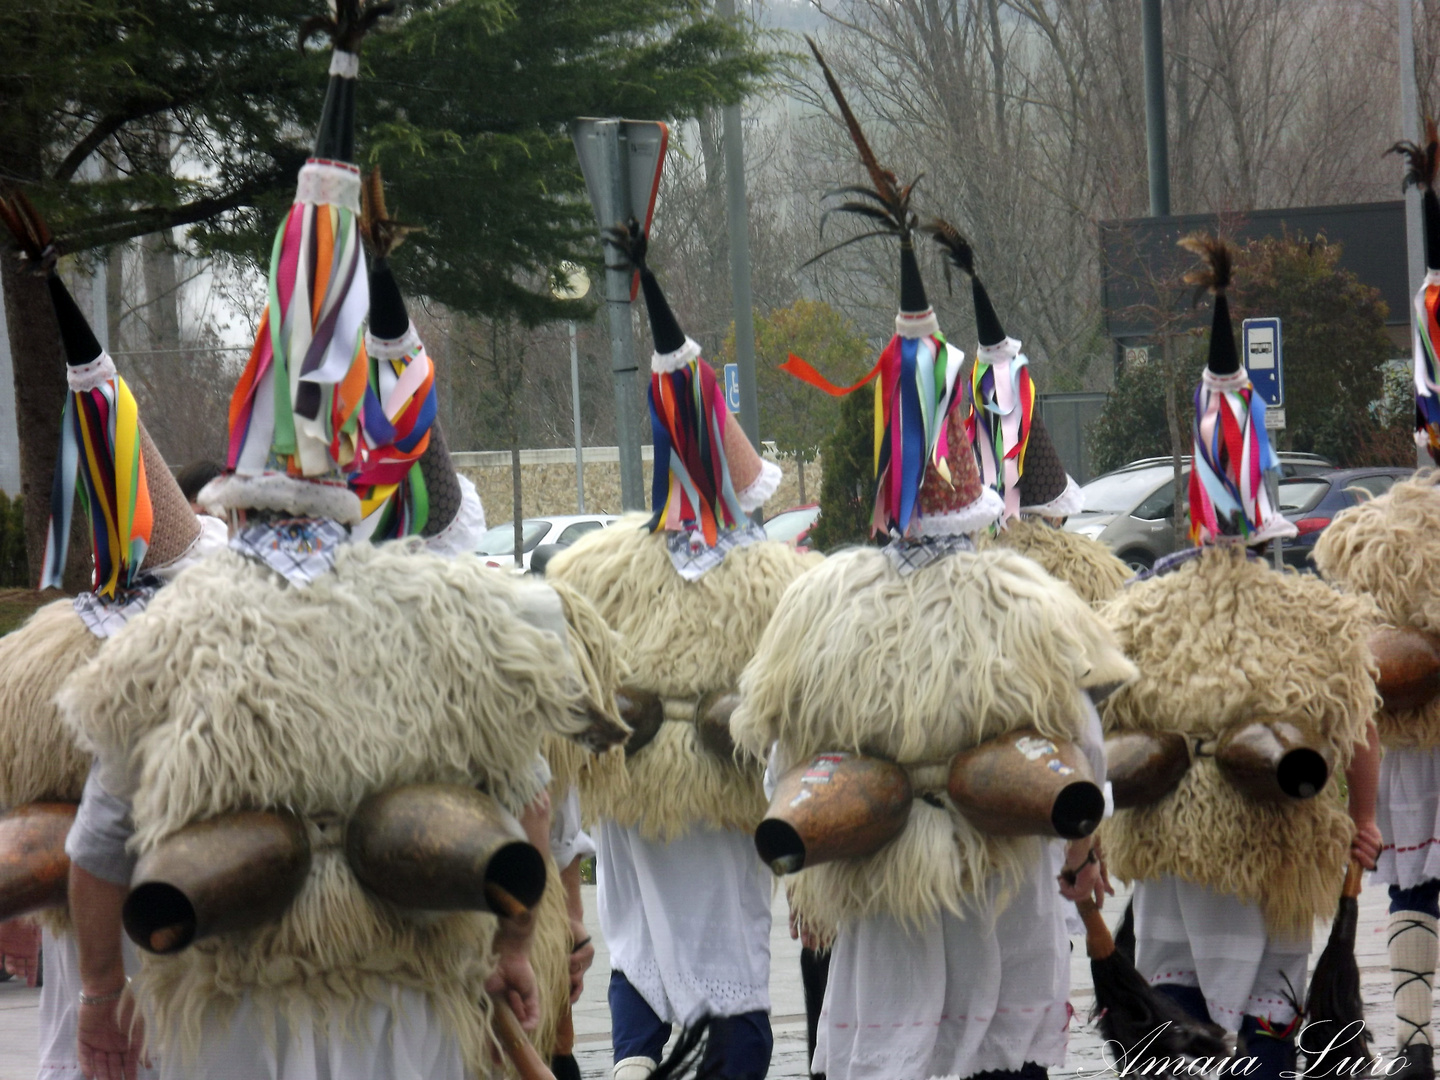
(622, 335)
(1410, 129)
(1156, 129)
(738, 215)
(575, 407)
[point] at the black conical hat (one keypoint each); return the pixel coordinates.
(388, 318)
(912, 289)
(81, 346)
(663, 326)
(988, 329)
(1224, 359)
(1043, 479)
(1431, 207)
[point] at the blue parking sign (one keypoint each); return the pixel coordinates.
(1263, 359)
(732, 387)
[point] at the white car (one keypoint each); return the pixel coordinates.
(497, 546)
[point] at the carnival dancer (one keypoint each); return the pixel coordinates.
(1386, 548)
(426, 497)
(300, 725)
(1233, 656)
(1017, 457)
(684, 902)
(143, 534)
(949, 956)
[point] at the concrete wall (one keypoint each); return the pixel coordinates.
(547, 481)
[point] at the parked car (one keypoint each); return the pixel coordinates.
(497, 546)
(1311, 502)
(1129, 510)
(793, 526)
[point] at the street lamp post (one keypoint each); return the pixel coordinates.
(575, 285)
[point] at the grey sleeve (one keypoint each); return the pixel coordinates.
(97, 841)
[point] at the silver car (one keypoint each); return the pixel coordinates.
(1130, 510)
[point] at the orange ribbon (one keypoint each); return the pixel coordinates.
(807, 374)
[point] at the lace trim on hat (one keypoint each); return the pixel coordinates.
(392, 348)
(980, 514)
(1232, 383)
(664, 363)
(922, 324)
(998, 353)
(462, 535)
(345, 64)
(1068, 502)
(761, 488)
(85, 377)
(214, 535)
(332, 183)
(281, 493)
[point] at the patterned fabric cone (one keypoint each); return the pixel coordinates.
(1043, 480)
(139, 518)
(954, 500)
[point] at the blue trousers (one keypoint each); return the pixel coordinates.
(1274, 1057)
(738, 1048)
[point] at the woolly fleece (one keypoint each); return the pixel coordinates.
(1223, 640)
(1389, 548)
(970, 647)
(234, 690)
(679, 639)
(1084, 564)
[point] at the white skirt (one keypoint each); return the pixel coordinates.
(688, 922)
(401, 1041)
(1189, 935)
(60, 1006)
(958, 997)
(1407, 809)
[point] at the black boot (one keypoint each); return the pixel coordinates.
(1419, 1063)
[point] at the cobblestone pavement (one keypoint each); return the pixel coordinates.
(18, 1037)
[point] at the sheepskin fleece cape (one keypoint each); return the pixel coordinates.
(1223, 640)
(1084, 564)
(915, 669)
(680, 639)
(236, 690)
(1389, 549)
(38, 756)
(550, 959)
(39, 760)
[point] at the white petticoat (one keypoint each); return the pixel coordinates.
(1189, 935)
(1407, 809)
(959, 997)
(688, 922)
(60, 1006)
(401, 1041)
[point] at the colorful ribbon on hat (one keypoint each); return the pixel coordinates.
(398, 510)
(1427, 365)
(297, 404)
(1232, 455)
(400, 405)
(914, 385)
(999, 423)
(691, 488)
(101, 431)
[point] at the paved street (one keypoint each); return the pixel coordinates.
(592, 1016)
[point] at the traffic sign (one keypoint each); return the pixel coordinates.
(732, 387)
(1264, 359)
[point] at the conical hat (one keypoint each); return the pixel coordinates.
(1232, 453)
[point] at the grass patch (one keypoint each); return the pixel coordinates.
(16, 605)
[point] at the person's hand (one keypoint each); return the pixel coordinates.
(1365, 845)
(110, 1038)
(1087, 880)
(20, 949)
(513, 981)
(580, 959)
